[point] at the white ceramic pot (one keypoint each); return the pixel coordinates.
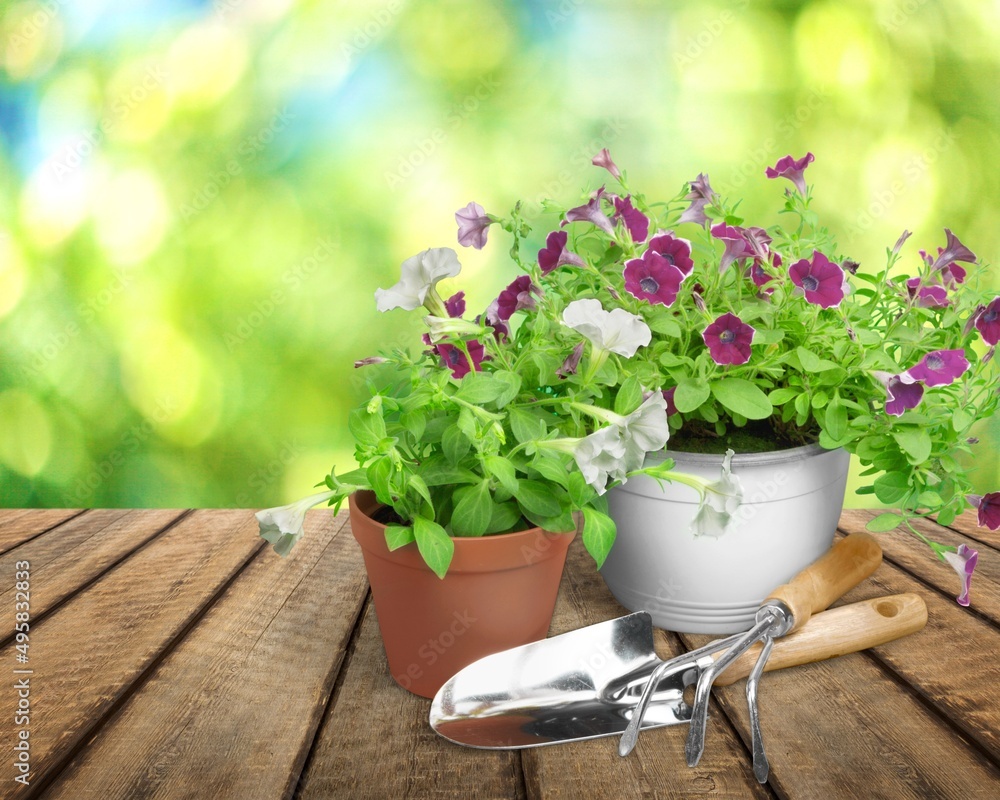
(702, 584)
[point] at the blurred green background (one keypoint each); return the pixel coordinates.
(198, 199)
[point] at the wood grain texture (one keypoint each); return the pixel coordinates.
(77, 552)
(88, 653)
(904, 549)
(19, 525)
(656, 768)
(967, 523)
(232, 711)
(376, 741)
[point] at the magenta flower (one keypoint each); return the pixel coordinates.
(668, 396)
(940, 368)
(590, 213)
(989, 509)
(517, 296)
(676, 251)
(761, 277)
(701, 195)
(788, 167)
(820, 279)
(728, 340)
(988, 322)
(555, 254)
(652, 278)
(758, 241)
(953, 251)
(455, 359)
(927, 296)
(473, 225)
(737, 246)
(603, 159)
(964, 563)
(367, 362)
(569, 366)
(455, 305)
(902, 396)
(636, 222)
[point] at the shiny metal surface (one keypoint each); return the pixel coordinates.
(760, 765)
(580, 685)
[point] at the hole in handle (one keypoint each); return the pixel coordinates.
(887, 609)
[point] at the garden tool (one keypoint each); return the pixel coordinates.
(585, 684)
(788, 609)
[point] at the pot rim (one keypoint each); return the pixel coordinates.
(744, 459)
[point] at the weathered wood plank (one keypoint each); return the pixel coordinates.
(904, 549)
(376, 742)
(848, 728)
(656, 768)
(234, 708)
(967, 523)
(19, 525)
(88, 653)
(62, 561)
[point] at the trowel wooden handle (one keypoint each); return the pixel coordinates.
(847, 629)
(847, 563)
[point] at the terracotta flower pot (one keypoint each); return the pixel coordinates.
(499, 592)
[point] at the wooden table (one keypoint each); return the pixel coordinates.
(174, 655)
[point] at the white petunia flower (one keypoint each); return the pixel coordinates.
(721, 501)
(617, 330)
(420, 274)
(282, 526)
(601, 456)
(647, 430)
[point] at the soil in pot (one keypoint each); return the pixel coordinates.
(757, 436)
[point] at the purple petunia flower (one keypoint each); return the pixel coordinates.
(456, 361)
(701, 195)
(569, 366)
(758, 241)
(455, 305)
(636, 222)
(761, 277)
(473, 225)
(989, 509)
(367, 362)
(788, 167)
(555, 254)
(675, 250)
(592, 213)
(652, 278)
(940, 368)
(728, 340)
(902, 396)
(953, 251)
(927, 296)
(988, 322)
(964, 563)
(737, 246)
(603, 159)
(517, 296)
(668, 396)
(820, 279)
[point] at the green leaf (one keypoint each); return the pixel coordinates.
(467, 424)
(781, 396)
(662, 321)
(415, 422)
(551, 468)
(537, 498)
(438, 472)
(580, 492)
(598, 534)
(690, 394)
(455, 444)
(835, 420)
(767, 337)
(367, 429)
(525, 425)
(629, 396)
(742, 397)
(418, 485)
(892, 487)
(563, 522)
(915, 442)
(378, 473)
(884, 522)
(809, 360)
(473, 510)
(961, 420)
(480, 388)
(505, 516)
(397, 536)
(501, 469)
(512, 385)
(434, 544)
